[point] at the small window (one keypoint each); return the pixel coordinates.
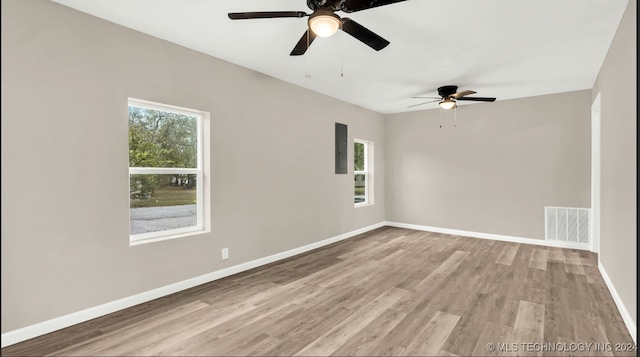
(363, 172)
(165, 171)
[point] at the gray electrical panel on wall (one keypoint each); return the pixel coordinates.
(341, 148)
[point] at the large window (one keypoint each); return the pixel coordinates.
(165, 171)
(363, 172)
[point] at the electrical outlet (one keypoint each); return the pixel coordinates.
(225, 253)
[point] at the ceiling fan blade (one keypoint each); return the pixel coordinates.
(462, 94)
(265, 14)
(415, 105)
(304, 43)
(478, 99)
(363, 34)
(428, 97)
(358, 5)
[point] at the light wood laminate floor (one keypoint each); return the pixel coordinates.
(390, 291)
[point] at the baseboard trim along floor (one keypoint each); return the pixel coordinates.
(626, 316)
(58, 323)
(499, 237)
(39, 329)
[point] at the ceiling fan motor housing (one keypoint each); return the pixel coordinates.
(333, 5)
(446, 91)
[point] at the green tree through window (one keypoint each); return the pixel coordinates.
(362, 150)
(164, 170)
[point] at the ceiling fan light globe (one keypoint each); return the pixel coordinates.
(447, 104)
(324, 25)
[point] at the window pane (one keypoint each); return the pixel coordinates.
(162, 202)
(358, 156)
(162, 139)
(360, 188)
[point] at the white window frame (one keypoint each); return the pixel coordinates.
(201, 185)
(367, 172)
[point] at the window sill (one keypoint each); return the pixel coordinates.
(167, 237)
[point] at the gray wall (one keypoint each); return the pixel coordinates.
(496, 170)
(617, 84)
(66, 77)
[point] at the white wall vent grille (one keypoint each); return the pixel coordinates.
(567, 224)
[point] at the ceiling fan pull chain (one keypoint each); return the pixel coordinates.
(440, 115)
(455, 117)
(341, 53)
(306, 60)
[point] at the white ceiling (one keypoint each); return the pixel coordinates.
(498, 48)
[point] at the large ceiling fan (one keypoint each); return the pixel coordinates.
(324, 22)
(449, 95)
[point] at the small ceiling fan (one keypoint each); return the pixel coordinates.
(324, 22)
(449, 95)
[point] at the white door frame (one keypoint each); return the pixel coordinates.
(596, 124)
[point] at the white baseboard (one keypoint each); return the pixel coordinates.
(499, 237)
(39, 329)
(626, 316)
